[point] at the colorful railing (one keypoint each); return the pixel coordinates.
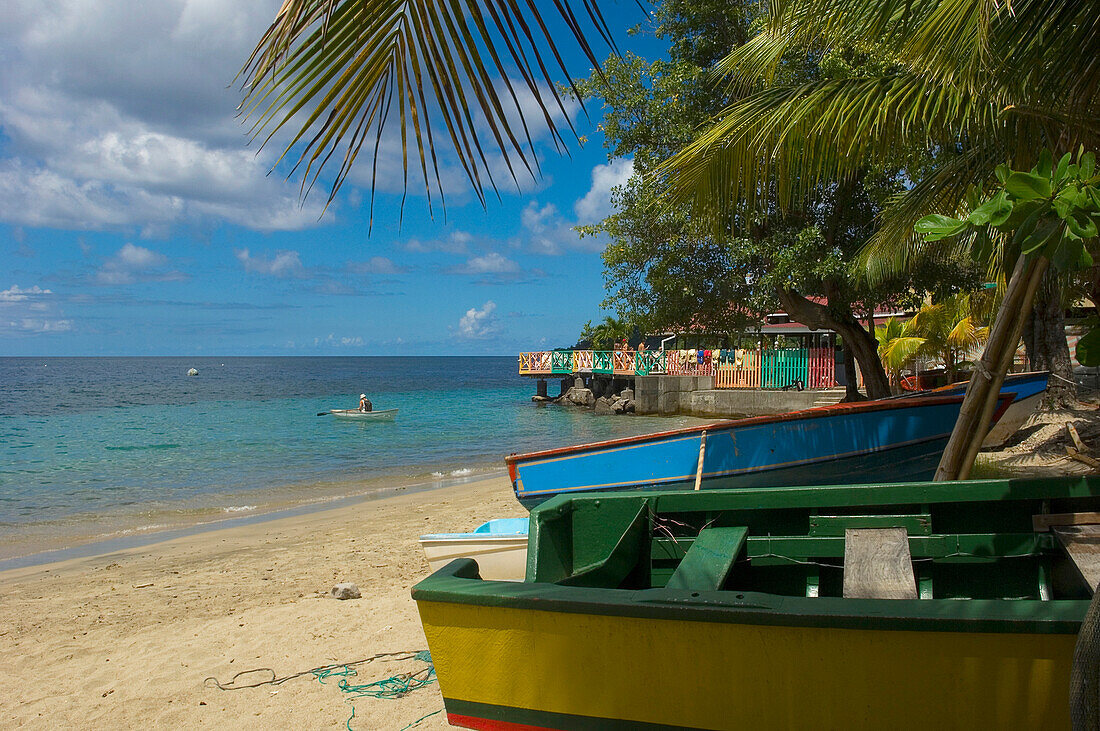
(809, 367)
(821, 368)
(561, 362)
(565, 362)
(743, 372)
(813, 367)
(534, 363)
(649, 361)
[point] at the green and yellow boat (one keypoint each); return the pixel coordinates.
(932, 605)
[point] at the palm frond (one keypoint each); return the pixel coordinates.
(333, 72)
(901, 351)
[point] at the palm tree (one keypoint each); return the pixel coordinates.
(944, 332)
(972, 83)
(896, 350)
(610, 331)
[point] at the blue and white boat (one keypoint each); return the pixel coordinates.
(499, 547)
(890, 440)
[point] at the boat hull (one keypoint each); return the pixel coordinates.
(566, 668)
(635, 614)
(858, 443)
(355, 414)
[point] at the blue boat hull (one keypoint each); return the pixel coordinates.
(889, 441)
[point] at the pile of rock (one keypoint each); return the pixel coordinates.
(581, 396)
(621, 404)
(578, 395)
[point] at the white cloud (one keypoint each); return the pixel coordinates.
(282, 264)
(479, 323)
(596, 204)
(38, 326)
(118, 115)
(338, 342)
(491, 263)
(15, 293)
(136, 263)
(30, 311)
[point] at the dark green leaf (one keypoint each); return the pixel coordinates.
(1081, 225)
(1045, 166)
(1063, 167)
(1088, 165)
(1066, 254)
(1047, 231)
(1027, 186)
(1021, 211)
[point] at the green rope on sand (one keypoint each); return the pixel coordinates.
(405, 728)
(391, 688)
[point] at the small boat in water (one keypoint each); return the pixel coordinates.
(871, 441)
(499, 546)
(932, 605)
(384, 415)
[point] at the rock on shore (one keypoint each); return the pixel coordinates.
(580, 396)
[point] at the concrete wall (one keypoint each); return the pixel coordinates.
(696, 396)
(667, 394)
(737, 401)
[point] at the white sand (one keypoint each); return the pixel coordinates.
(126, 640)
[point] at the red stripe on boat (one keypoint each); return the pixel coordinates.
(484, 724)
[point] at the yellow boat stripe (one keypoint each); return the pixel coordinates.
(715, 675)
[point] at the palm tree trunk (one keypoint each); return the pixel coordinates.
(989, 372)
(1046, 344)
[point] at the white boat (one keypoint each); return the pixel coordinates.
(384, 415)
(499, 547)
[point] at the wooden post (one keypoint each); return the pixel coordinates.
(985, 385)
(699, 467)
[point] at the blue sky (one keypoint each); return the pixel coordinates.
(136, 220)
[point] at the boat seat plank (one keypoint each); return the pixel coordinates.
(1046, 521)
(1082, 543)
(877, 564)
(710, 559)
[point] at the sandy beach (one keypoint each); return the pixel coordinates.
(126, 640)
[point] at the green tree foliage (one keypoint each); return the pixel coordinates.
(669, 268)
(1050, 212)
(607, 334)
(942, 333)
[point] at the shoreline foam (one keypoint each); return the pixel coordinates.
(65, 544)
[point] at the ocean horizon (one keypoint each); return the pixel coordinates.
(92, 448)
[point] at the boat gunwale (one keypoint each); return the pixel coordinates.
(459, 583)
(816, 412)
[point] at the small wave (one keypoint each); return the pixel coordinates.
(461, 472)
(437, 474)
(139, 447)
(131, 531)
(239, 508)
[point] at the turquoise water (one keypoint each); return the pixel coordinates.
(99, 446)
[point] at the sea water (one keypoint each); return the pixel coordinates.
(97, 447)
